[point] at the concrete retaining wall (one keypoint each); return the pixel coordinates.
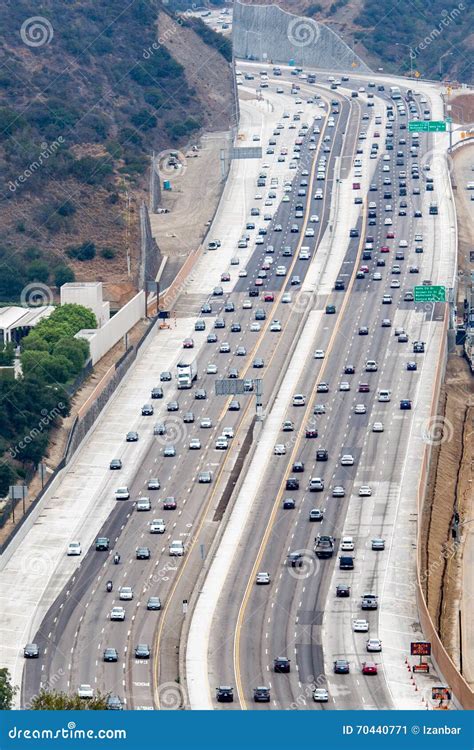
(103, 339)
(268, 33)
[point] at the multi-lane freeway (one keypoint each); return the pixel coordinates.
(309, 291)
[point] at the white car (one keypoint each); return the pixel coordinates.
(228, 432)
(117, 613)
(347, 543)
(377, 427)
(255, 327)
(320, 695)
(222, 443)
(247, 304)
(243, 273)
(299, 399)
(194, 444)
(211, 369)
(395, 284)
(157, 526)
(74, 548)
(85, 691)
(360, 409)
(275, 326)
(365, 490)
(126, 593)
(344, 386)
(176, 549)
(314, 218)
(304, 254)
(262, 579)
(347, 460)
(309, 232)
(377, 276)
(122, 493)
(360, 626)
(206, 422)
(280, 271)
(286, 297)
(373, 644)
(279, 449)
(319, 354)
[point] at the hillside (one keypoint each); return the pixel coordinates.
(382, 32)
(87, 91)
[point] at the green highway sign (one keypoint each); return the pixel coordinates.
(430, 294)
(427, 126)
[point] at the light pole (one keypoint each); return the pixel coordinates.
(412, 54)
(446, 54)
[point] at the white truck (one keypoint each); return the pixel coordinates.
(186, 374)
(395, 93)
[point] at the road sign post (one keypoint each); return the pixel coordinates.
(427, 126)
(430, 294)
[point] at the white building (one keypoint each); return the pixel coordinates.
(88, 294)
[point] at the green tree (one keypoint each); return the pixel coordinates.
(38, 270)
(37, 362)
(7, 355)
(7, 691)
(32, 447)
(7, 478)
(63, 275)
(75, 350)
(57, 701)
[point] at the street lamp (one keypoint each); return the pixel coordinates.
(446, 54)
(412, 54)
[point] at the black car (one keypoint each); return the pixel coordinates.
(165, 376)
(322, 454)
(200, 394)
(281, 664)
(405, 404)
(363, 331)
(116, 463)
(143, 553)
(102, 544)
(341, 666)
(292, 483)
(235, 328)
(212, 338)
(354, 233)
(188, 417)
(289, 503)
(411, 366)
(225, 694)
(330, 309)
(229, 307)
(349, 370)
(261, 695)
(147, 410)
(31, 651)
(298, 467)
(418, 347)
(110, 654)
(153, 603)
(206, 308)
(172, 406)
(131, 437)
(219, 323)
(346, 562)
(342, 590)
(295, 559)
(157, 393)
(114, 703)
(142, 651)
(253, 293)
(169, 503)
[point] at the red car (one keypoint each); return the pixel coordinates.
(188, 344)
(356, 185)
(364, 388)
(376, 134)
(225, 276)
(311, 432)
(390, 235)
(258, 282)
(369, 667)
(268, 297)
(364, 269)
(384, 249)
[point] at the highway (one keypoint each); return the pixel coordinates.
(297, 615)
(77, 627)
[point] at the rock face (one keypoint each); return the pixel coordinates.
(268, 33)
